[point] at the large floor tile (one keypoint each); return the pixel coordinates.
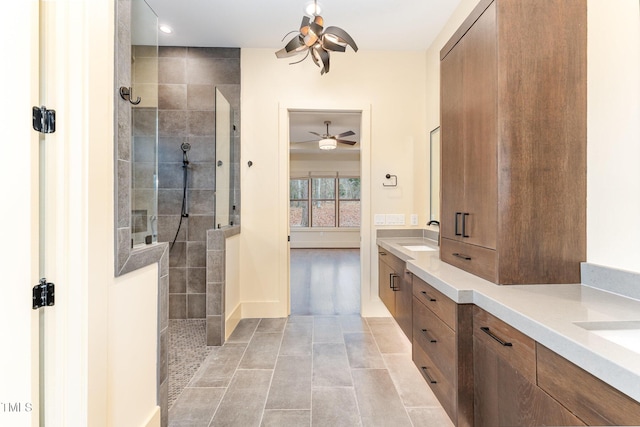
(195, 407)
(378, 400)
(363, 351)
(218, 368)
(262, 351)
(286, 418)
(429, 417)
(334, 407)
(327, 329)
(330, 366)
(244, 330)
(389, 336)
(291, 383)
(353, 323)
(272, 325)
(413, 389)
(296, 340)
(243, 404)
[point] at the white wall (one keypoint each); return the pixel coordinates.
(613, 148)
(132, 347)
(232, 308)
(390, 85)
(613, 126)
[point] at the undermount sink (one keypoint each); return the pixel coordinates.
(419, 248)
(623, 333)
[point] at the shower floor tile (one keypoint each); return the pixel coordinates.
(187, 350)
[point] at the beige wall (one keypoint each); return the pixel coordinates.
(613, 147)
(389, 87)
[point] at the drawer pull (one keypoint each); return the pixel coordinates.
(502, 342)
(427, 296)
(382, 253)
(464, 225)
(456, 232)
(429, 338)
(392, 282)
(465, 257)
(426, 374)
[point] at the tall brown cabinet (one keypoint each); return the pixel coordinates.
(513, 129)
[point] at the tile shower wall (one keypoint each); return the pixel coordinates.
(187, 79)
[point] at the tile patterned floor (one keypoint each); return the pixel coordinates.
(309, 371)
(187, 350)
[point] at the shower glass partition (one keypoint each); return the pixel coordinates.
(144, 116)
(224, 161)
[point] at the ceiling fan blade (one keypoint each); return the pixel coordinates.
(304, 142)
(343, 134)
(344, 141)
(316, 133)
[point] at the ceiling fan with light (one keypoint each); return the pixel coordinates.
(328, 141)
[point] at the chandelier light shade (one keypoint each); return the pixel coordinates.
(327, 144)
(316, 41)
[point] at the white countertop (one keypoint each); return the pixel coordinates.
(545, 313)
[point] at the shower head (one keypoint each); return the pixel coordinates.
(185, 147)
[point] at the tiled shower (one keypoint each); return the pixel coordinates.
(187, 81)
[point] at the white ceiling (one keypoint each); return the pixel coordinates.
(373, 24)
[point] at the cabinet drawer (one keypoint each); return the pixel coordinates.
(392, 261)
(474, 259)
(435, 338)
(443, 389)
(436, 301)
(506, 341)
(588, 397)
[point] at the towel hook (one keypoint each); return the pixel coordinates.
(125, 93)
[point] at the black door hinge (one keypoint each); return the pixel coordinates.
(43, 294)
(44, 121)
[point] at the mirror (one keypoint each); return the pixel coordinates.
(434, 156)
(224, 161)
(144, 119)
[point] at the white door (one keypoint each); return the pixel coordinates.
(19, 216)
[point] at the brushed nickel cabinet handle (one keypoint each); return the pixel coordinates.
(501, 341)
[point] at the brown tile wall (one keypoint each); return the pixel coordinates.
(187, 79)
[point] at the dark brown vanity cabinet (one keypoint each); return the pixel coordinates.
(513, 135)
(442, 349)
(394, 289)
(505, 383)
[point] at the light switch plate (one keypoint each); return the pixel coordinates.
(379, 219)
(414, 219)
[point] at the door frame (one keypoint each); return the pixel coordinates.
(369, 301)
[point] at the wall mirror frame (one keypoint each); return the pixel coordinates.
(434, 174)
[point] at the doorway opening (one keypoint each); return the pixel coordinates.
(325, 215)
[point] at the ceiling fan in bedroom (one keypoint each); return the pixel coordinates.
(330, 142)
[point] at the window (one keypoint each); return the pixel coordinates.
(299, 202)
(324, 202)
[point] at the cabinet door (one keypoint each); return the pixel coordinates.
(503, 397)
(387, 279)
(452, 152)
(404, 303)
(479, 115)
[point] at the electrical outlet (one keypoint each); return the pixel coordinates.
(414, 219)
(394, 219)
